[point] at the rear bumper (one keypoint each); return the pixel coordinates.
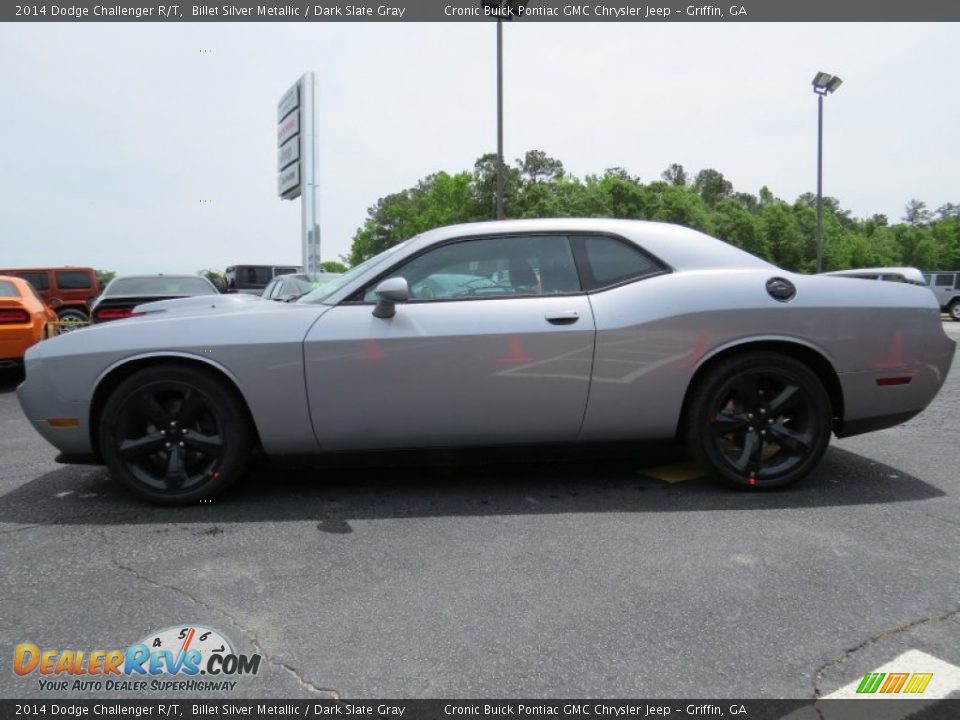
(888, 396)
(14, 341)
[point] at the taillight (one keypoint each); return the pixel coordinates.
(10, 317)
(113, 313)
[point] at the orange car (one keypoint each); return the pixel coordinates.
(24, 319)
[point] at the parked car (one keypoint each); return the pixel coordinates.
(70, 290)
(945, 285)
(890, 274)
(290, 287)
(123, 294)
(584, 330)
(25, 319)
(253, 279)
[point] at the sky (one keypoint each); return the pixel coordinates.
(152, 147)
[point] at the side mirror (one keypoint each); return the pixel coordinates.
(390, 292)
(55, 303)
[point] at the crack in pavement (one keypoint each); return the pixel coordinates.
(879, 637)
(251, 635)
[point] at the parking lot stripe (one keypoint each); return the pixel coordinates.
(675, 472)
(930, 678)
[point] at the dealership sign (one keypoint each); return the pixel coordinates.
(288, 143)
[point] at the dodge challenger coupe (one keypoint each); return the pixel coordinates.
(487, 334)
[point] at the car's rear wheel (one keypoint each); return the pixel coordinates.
(174, 434)
(954, 310)
(759, 420)
(71, 319)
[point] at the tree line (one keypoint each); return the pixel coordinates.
(781, 232)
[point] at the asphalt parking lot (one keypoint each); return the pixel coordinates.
(586, 577)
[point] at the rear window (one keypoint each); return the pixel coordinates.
(944, 280)
(38, 279)
(161, 286)
(73, 280)
(8, 289)
(605, 261)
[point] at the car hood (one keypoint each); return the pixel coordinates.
(198, 303)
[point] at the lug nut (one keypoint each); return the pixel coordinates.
(750, 429)
(763, 411)
(181, 444)
(167, 445)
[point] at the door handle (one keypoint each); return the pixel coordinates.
(567, 317)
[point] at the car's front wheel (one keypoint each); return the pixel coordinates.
(174, 434)
(759, 420)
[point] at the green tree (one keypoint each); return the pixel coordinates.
(675, 175)
(105, 276)
(762, 224)
(712, 186)
(215, 277)
(333, 266)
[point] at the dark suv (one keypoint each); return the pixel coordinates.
(68, 290)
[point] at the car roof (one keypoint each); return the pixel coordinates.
(680, 247)
(158, 275)
(49, 269)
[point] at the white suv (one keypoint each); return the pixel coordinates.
(945, 284)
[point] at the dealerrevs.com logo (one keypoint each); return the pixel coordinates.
(187, 658)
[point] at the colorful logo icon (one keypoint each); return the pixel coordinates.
(894, 683)
(187, 651)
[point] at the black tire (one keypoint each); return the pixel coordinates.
(759, 420)
(174, 434)
(71, 319)
(953, 309)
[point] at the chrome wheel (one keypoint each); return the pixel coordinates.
(70, 320)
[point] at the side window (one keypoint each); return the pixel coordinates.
(606, 261)
(73, 280)
(270, 290)
(38, 279)
(944, 280)
(492, 267)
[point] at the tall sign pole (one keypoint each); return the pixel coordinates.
(297, 161)
(500, 213)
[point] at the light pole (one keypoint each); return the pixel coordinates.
(823, 84)
(501, 10)
(500, 214)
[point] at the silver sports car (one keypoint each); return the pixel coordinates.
(515, 332)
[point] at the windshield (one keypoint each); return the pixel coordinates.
(330, 287)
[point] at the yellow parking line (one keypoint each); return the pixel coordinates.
(675, 472)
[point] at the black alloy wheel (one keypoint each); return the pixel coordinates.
(174, 434)
(760, 420)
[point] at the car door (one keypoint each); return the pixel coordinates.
(495, 345)
(943, 287)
